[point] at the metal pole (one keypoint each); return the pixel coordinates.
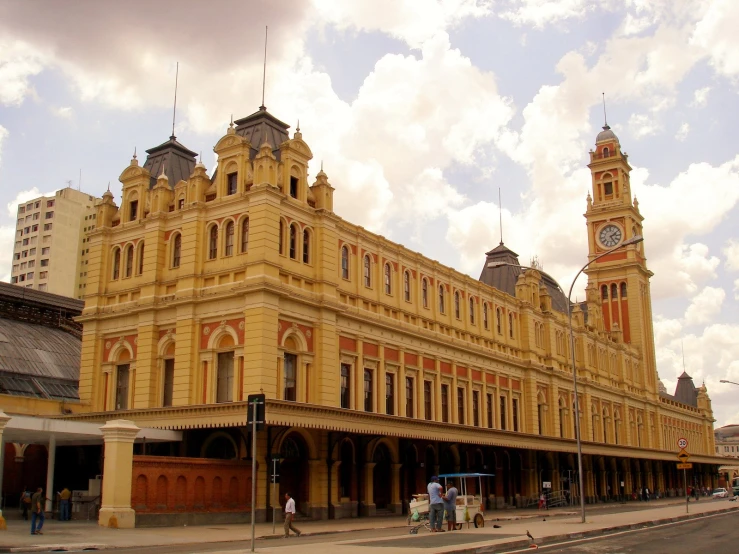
(687, 497)
(253, 470)
(274, 482)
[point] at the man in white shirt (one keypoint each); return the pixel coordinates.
(289, 515)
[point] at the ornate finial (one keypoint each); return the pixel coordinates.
(321, 165)
(500, 215)
(200, 157)
(174, 107)
(108, 186)
(232, 121)
(297, 129)
(163, 173)
(134, 152)
(605, 117)
(264, 70)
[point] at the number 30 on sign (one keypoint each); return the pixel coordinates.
(682, 443)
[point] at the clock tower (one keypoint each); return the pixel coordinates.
(621, 278)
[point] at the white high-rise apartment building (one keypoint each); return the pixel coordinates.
(50, 252)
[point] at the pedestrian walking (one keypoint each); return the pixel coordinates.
(64, 497)
(436, 505)
(450, 505)
(25, 502)
(542, 501)
(37, 511)
(289, 515)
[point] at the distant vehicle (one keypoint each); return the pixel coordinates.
(720, 493)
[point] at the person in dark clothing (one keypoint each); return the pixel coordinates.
(25, 502)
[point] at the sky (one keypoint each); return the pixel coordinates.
(422, 112)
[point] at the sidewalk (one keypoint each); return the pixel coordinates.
(545, 526)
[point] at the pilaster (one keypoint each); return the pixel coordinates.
(115, 510)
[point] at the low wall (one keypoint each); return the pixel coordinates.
(173, 491)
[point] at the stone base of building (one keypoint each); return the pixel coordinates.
(346, 509)
(179, 519)
(117, 518)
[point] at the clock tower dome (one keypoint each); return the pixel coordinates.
(621, 278)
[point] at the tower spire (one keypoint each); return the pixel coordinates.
(264, 69)
(174, 106)
(500, 216)
(605, 117)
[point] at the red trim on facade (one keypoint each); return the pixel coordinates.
(428, 363)
(445, 367)
(345, 343)
(476, 375)
(392, 355)
(369, 349)
(461, 371)
(411, 359)
(490, 378)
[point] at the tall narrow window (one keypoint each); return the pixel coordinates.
(231, 183)
(427, 400)
(306, 246)
(604, 292)
(623, 290)
(245, 235)
(409, 397)
(291, 368)
(514, 410)
(213, 242)
(133, 210)
(280, 238)
(367, 274)
(293, 241)
(614, 291)
(460, 405)
(129, 260)
(425, 293)
(456, 304)
(345, 262)
(441, 298)
(294, 187)
(176, 250)
(345, 385)
(445, 403)
(368, 390)
(407, 286)
(485, 315)
(225, 377)
(472, 310)
(117, 263)
(503, 413)
(491, 421)
(121, 387)
(540, 417)
(498, 323)
(388, 286)
(562, 421)
(476, 408)
(229, 246)
(140, 264)
(606, 152)
(510, 324)
(168, 382)
(389, 394)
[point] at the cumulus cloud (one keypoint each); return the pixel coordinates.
(705, 306)
(642, 125)
(22, 197)
(700, 97)
(682, 132)
(731, 251)
(19, 61)
(540, 13)
(716, 33)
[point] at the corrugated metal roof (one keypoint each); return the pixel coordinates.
(177, 160)
(41, 298)
(39, 351)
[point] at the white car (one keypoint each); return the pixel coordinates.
(720, 493)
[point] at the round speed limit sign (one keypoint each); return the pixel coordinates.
(682, 443)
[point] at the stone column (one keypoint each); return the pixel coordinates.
(115, 510)
(369, 489)
(50, 473)
(396, 504)
(4, 418)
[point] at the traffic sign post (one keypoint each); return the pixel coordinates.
(683, 456)
(255, 418)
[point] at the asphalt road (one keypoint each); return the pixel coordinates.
(711, 535)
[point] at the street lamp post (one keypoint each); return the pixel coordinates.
(633, 240)
(726, 381)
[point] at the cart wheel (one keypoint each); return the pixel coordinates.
(479, 520)
(414, 531)
(458, 526)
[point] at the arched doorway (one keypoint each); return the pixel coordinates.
(347, 471)
(381, 477)
(294, 471)
(430, 463)
(410, 476)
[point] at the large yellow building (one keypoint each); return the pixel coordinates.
(380, 366)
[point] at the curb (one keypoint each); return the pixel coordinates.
(604, 531)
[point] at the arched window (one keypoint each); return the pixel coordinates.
(280, 237)
(245, 235)
(293, 241)
(614, 291)
(229, 244)
(345, 262)
(306, 246)
(456, 304)
(604, 292)
(510, 324)
(176, 250)
(129, 260)
(407, 286)
(213, 242)
(117, 263)
(623, 290)
(140, 261)
(472, 310)
(606, 152)
(425, 292)
(485, 315)
(367, 274)
(441, 298)
(388, 284)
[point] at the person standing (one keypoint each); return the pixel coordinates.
(25, 502)
(289, 515)
(64, 497)
(37, 511)
(436, 505)
(450, 505)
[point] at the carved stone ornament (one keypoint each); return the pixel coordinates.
(241, 325)
(108, 345)
(308, 333)
(294, 325)
(229, 141)
(279, 327)
(206, 330)
(223, 323)
(136, 340)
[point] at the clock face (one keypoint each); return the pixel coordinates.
(610, 236)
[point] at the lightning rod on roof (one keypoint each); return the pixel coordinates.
(264, 69)
(174, 107)
(500, 216)
(605, 117)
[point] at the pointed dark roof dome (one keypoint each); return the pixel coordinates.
(685, 391)
(606, 135)
(176, 160)
(262, 126)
